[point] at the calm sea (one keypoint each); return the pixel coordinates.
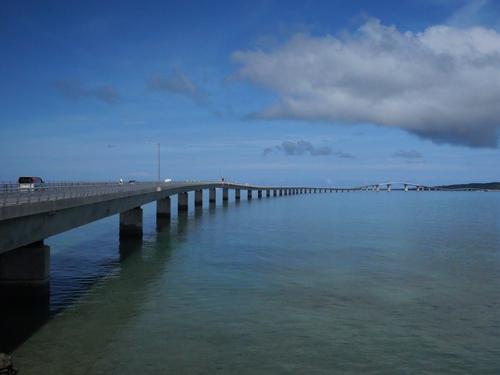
(330, 283)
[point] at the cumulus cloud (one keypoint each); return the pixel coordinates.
(75, 90)
(412, 154)
(178, 83)
(442, 84)
(344, 155)
(303, 147)
(267, 151)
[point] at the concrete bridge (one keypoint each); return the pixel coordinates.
(27, 218)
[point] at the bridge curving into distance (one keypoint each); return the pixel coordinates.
(27, 218)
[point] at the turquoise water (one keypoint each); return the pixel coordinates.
(330, 283)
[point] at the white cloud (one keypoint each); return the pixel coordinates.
(75, 90)
(304, 147)
(442, 84)
(474, 12)
(412, 154)
(178, 83)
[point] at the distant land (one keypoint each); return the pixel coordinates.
(485, 186)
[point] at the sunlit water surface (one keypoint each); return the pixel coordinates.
(330, 283)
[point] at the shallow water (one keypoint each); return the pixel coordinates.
(347, 283)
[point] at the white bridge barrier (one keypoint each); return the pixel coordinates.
(11, 194)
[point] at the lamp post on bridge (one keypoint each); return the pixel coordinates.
(153, 143)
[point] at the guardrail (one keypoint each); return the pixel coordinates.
(11, 194)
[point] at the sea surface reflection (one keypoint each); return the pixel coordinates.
(372, 283)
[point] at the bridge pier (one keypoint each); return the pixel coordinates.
(25, 271)
(131, 222)
(268, 193)
(198, 198)
(182, 202)
(163, 207)
(212, 198)
(259, 193)
(225, 194)
(237, 194)
(249, 194)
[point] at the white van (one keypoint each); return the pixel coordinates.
(30, 183)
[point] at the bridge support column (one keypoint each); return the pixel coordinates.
(25, 271)
(281, 191)
(275, 192)
(268, 193)
(237, 194)
(249, 194)
(225, 194)
(406, 187)
(259, 193)
(388, 188)
(212, 195)
(163, 207)
(182, 202)
(198, 198)
(131, 222)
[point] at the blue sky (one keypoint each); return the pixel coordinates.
(321, 93)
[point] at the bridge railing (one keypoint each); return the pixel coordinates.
(11, 193)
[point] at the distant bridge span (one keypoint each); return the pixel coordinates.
(27, 218)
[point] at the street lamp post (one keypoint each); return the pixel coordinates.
(153, 143)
